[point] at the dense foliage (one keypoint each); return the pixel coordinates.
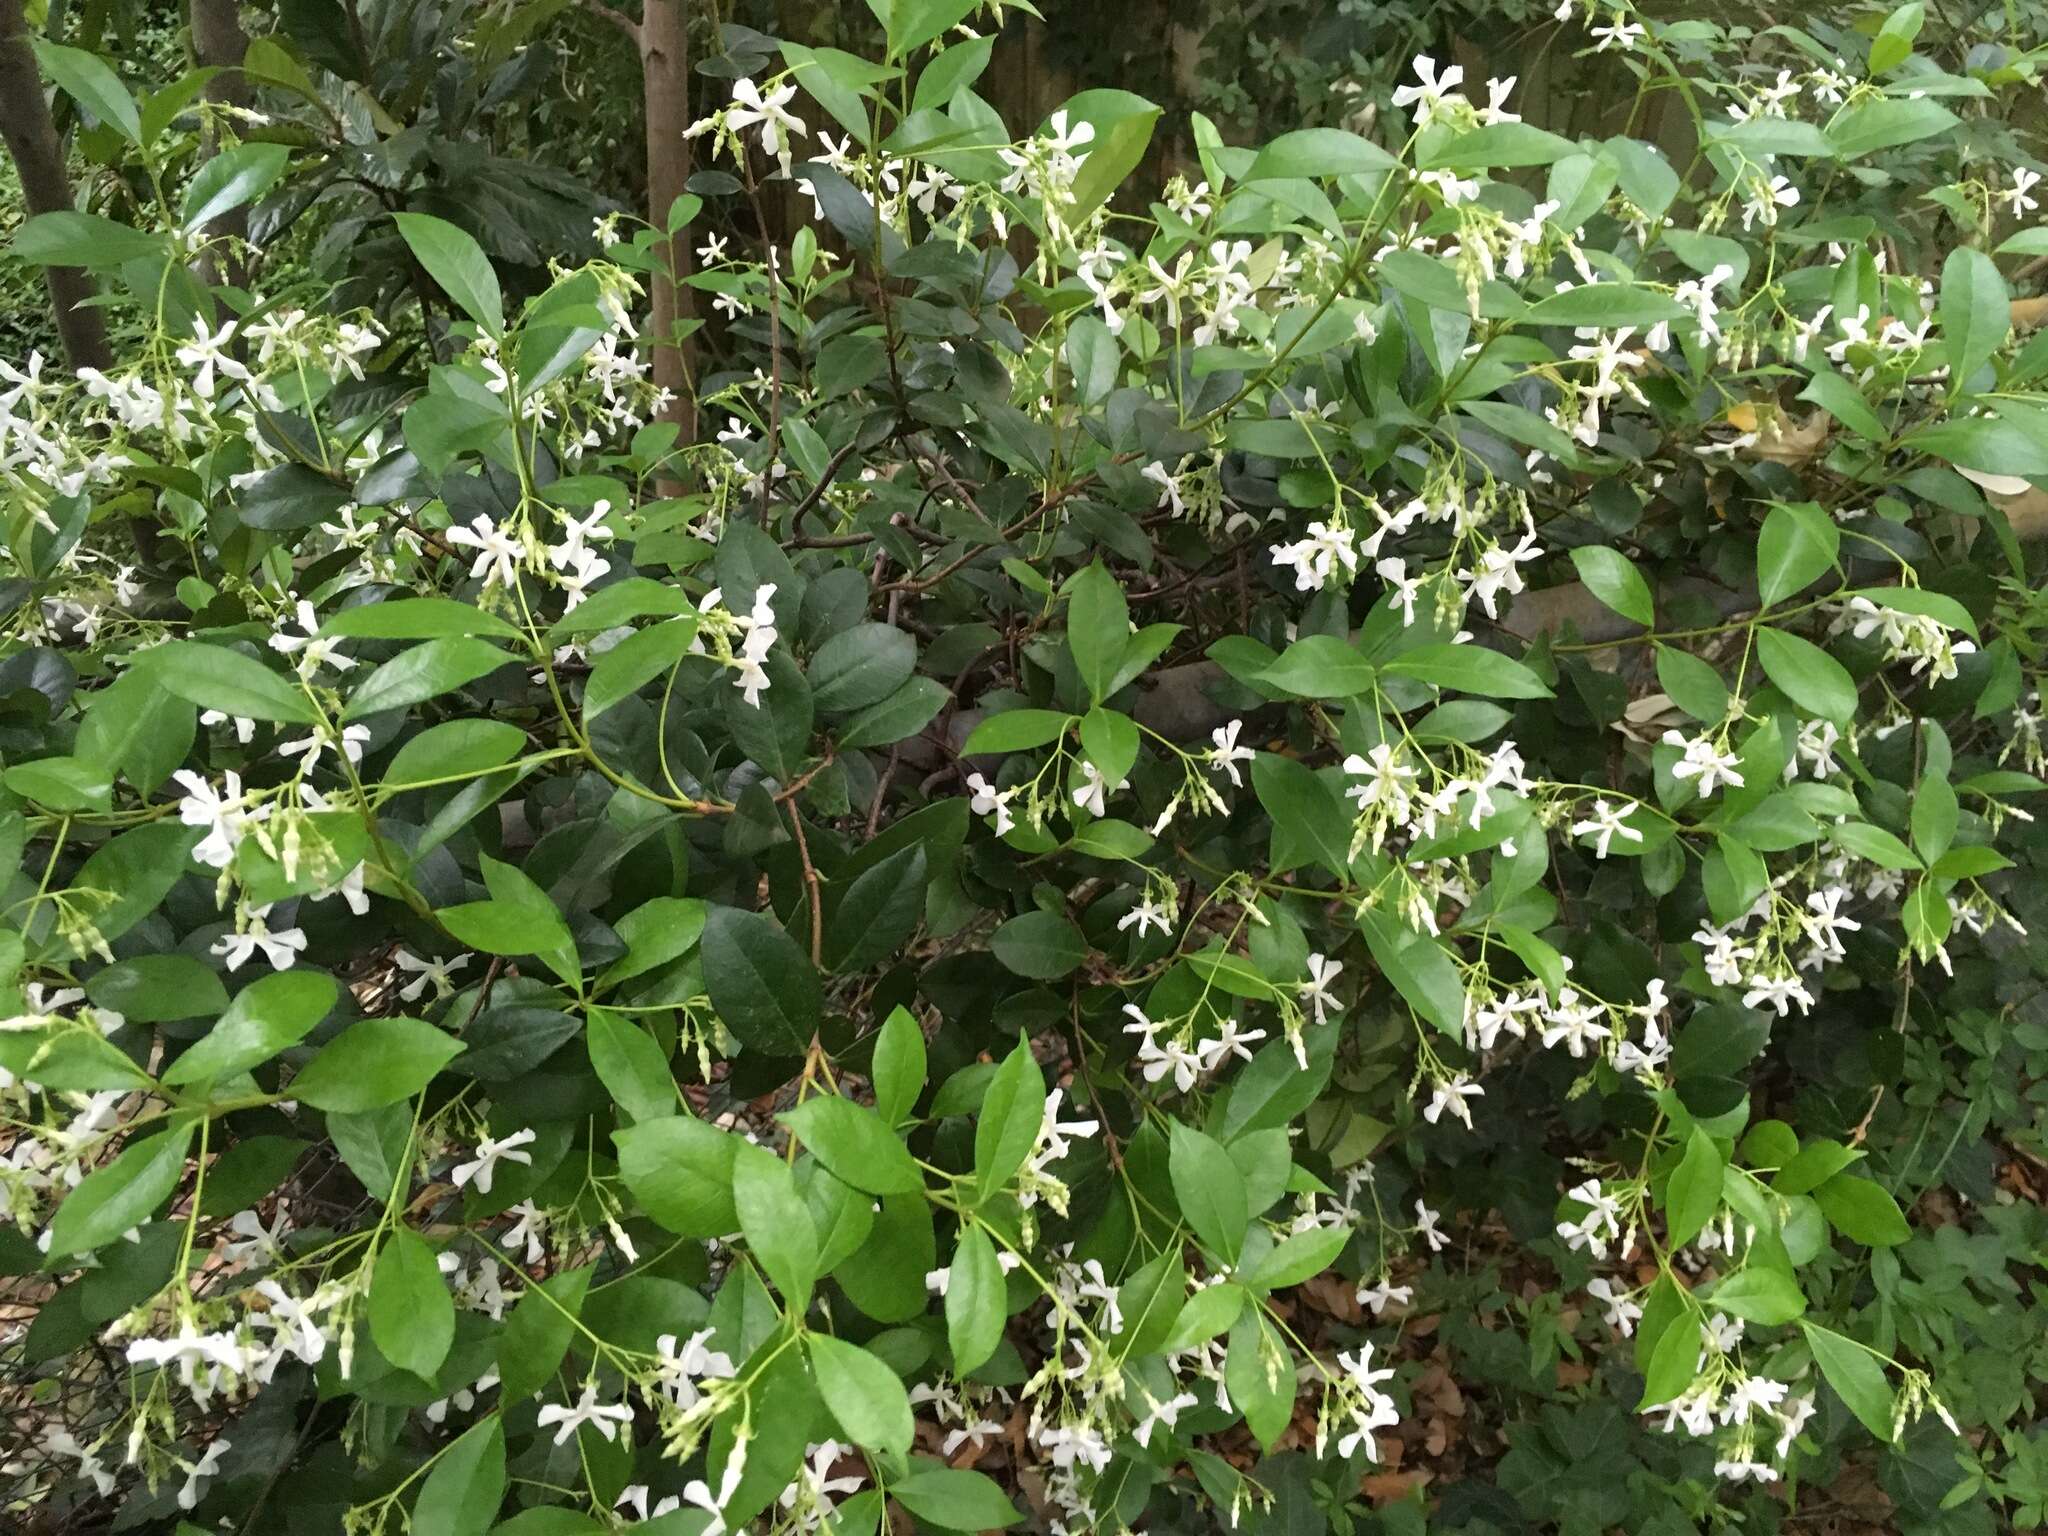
(1351, 852)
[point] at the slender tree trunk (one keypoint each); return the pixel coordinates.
(219, 42)
(38, 155)
(664, 39)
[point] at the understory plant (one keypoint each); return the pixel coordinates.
(1354, 851)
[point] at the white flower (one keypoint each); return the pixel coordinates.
(489, 1153)
(1316, 990)
(778, 123)
(225, 813)
(1379, 1296)
(312, 651)
(1426, 1228)
(1791, 1420)
(498, 553)
(207, 352)
(1430, 94)
(698, 1493)
(1452, 1096)
(1623, 35)
(2016, 197)
(199, 1473)
(1622, 1314)
(681, 1369)
(1169, 487)
(1093, 791)
(987, 798)
(427, 973)
(1705, 761)
(602, 1417)
(1316, 558)
(280, 948)
(1146, 914)
(1604, 825)
(1227, 753)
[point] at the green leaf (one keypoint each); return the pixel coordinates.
(1012, 1110)
(977, 1300)
(1613, 578)
(861, 666)
(1893, 44)
(680, 1170)
(902, 714)
(1321, 667)
(1855, 1375)
(865, 1396)
(231, 179)
(1693, 685)
(424, 672)
(154, 989)
(1123, 124)
(1862, 1211)
(1015, 730)
(455, 261)
(1299, 1258)
(124, 1194)
(1886, 122)
(635, 662)
(1110, 741)
(1976, 313)
(1469, 669)
(269, 1014)
(1673, 1363)
(69, 239)
(417, 618)
(1310, 821)
(1603, 304)
(214, 677)
(412, 1316)
(1798, 542)
(776, 1222)
(1421, 969)
(761, 984)
(630, 1065)
(1041, 945)
(1934, 816)
(87, 80)
(462, 1495)
(1874, 844)
(374, 1062)
(899, 1066)
(1258, 1372)
(1807, 675)
(62, 784)
(1098, 628)
(953, 1499)
(1694, 1193)
(853, 1144)
(1094, 357)
(1211, 1311)
(1843, 401)
(1317, 153)
(538, 1333)
(1210, 1191)
(453, 750)
(1760, 1295)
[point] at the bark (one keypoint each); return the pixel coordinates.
(218, 42)
(38, 154)
(664, 40)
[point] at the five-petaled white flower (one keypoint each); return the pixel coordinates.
(605, 1418)
(489, 1153)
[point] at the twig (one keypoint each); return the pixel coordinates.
(811, 885)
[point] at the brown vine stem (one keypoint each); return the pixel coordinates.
(812, 887)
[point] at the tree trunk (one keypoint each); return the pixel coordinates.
(665, 76)
(218, 42)
(31, 137)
